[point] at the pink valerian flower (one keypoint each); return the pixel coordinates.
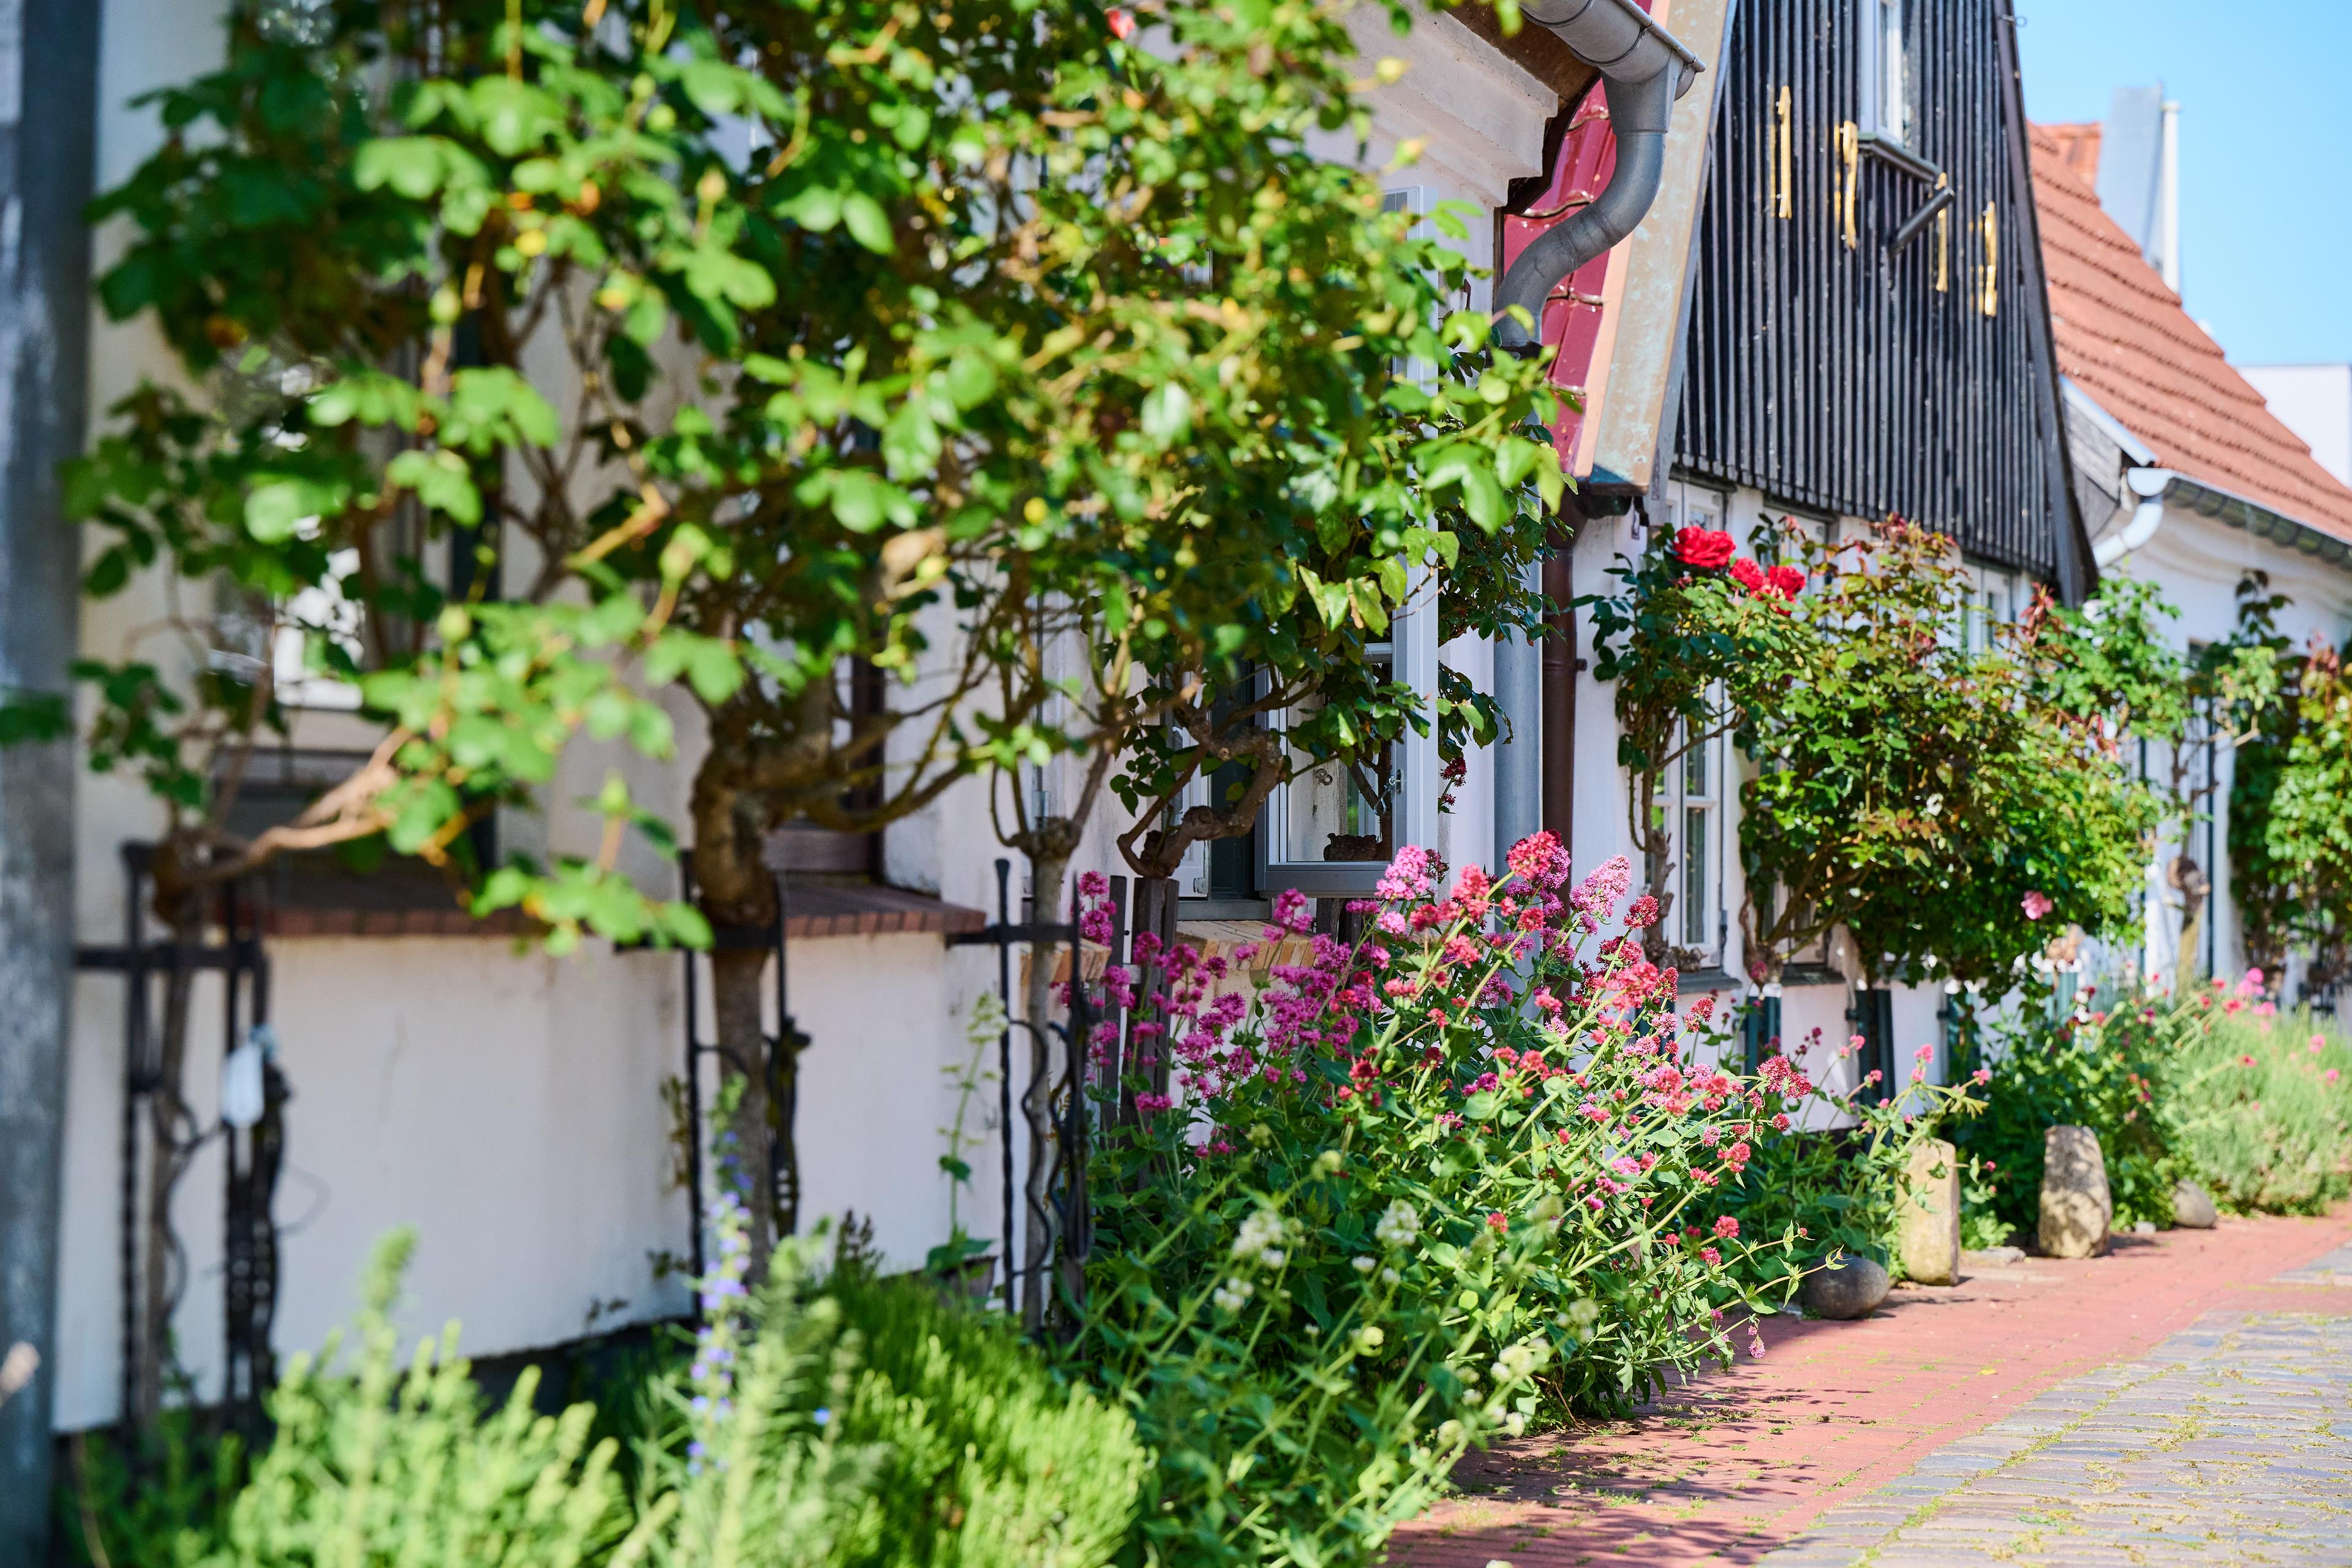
(1982, 1075)
(1121, 24)
(1727, 1228)
(1412, 874)
(1541, 865)
(1498, 1221)
(1473, 892)
(1709, 1256)
(2265, 1010)
(2233, 1006)
(2330, 1076)
(1643, 913)
(2318, 1044)
(2249, 983)
(1924, 1054)
(1294, 912)
(2036, 904)
(1149, 1103)
(2245, 1061)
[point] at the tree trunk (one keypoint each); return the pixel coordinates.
(737, 894)
(1046, 872)
(1657, 867)
(736, 999)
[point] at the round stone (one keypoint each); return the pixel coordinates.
(1850, 1288)
(2192, 1208)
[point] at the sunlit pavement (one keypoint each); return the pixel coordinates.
(2188, 1399)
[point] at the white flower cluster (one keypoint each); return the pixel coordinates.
(1580, 1316)
(1232, 1295)
(1261, 1238)
(1517, 1360)
(1398, 1225)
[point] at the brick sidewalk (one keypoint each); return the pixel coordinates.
(1725, 1469)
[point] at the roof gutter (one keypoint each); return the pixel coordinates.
(1643, 69)
(2156, 488)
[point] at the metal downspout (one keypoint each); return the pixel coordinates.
(48, 125)
(1643, 69)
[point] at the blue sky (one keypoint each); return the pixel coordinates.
(2266, 150)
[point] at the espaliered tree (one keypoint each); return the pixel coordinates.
(915, 390)
(1918, 784)
(1938, 791)
(2291, 825)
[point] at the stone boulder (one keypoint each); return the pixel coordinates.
(2077, 1210)
(1930, 1241)
(2192, 1208)
(1850, 1288)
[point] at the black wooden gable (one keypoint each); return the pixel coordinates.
(1829, 365)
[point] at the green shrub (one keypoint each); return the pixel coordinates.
(2114, 1069)
(383, 1465)
(2264, 1106)
(1425, 1188)
(841, 1422)
(850, 1421)
(988, 1460)
(1830, 1168)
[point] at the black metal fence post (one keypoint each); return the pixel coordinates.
(254, 1155)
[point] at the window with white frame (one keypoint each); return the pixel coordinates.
(1883, 62)
(1695, 792)
(1693, 506)
(1333, 828)
(1996, 601)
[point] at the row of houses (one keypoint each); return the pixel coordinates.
(1863, 285)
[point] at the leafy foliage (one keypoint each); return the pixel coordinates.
(1696, 643)
(2116, 1068)
(383, 1464)
(1431, 1186)
(2265, 1107)
(2291, 823)
(1834, 1169)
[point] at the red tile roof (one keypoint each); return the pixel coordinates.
(2078, 145)
(2124, 338)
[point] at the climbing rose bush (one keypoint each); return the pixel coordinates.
(1413, 1193)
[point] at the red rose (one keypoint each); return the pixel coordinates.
(1786, 582)
(1748, 575)
(1121, 24)
(1704, 548)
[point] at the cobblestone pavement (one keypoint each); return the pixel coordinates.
(2231, 1443)
(2336, 1269)
(1845, 1429)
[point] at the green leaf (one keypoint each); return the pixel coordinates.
(276, 510)
(910, 442)
(410, 165)
(868, 224)
(440, 480)
(1167, 415)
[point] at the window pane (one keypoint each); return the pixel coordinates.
(1694, 770)
(1695, 882)
(1335, 811)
